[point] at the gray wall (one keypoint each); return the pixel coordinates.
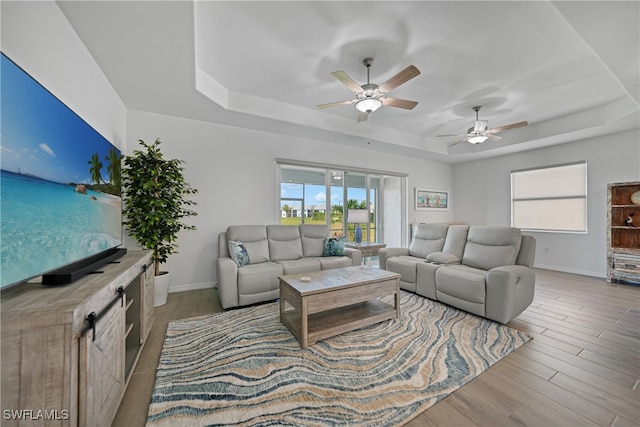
(482, 195)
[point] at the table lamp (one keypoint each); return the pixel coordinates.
(357, 217)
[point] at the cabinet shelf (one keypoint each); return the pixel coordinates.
(623, 241)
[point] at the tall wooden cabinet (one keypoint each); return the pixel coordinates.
(623, 257)
(70, 349)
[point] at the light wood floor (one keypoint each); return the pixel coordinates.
(581, 369)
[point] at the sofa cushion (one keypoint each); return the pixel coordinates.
(238, 253)
(254, 239)
(312, 236)
(462, 287)
(302, 265)
(284, 242)
(491, 246)
(333, 246)
(428, 238)
(405, 266)
(456, 240)
(259, 278)
(463, 282)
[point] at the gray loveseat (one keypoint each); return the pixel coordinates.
(485, 270)
(272, 250)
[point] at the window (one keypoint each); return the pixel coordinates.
(552, 198)
(313, 193)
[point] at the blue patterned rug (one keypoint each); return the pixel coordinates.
(243, 367)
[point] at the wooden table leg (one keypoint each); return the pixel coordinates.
(304, 323)
(397, 299)
(282, 305)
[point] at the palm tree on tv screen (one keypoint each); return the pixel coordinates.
(114, 169)
(96, 166)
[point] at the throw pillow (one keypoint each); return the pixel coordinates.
(333, 246)
(238, 253)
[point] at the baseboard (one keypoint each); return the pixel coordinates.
(191, 287)
(571, 270)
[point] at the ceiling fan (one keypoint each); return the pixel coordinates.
(370, 96)
(480, 132)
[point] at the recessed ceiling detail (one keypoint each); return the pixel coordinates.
(571, 69)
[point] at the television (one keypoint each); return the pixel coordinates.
(61, 209)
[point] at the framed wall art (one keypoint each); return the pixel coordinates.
(434, 200)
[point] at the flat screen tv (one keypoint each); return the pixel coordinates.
(60, 187)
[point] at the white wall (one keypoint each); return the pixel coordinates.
(235, 172)
(37, 36)
(482, 195)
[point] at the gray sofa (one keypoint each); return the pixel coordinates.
(272, 250)
(485, 270)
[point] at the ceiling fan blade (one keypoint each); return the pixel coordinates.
(362, 117)
(334, 104)
(508, 127)
(445, 136)
(399, 103)
(346, 80)
(457, 142)
(400, 78)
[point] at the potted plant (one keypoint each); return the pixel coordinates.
(156, 203)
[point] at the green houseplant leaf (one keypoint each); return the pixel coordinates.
(156, 200)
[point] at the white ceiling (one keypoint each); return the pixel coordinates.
(570, 68)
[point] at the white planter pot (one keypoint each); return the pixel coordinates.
(161, 288)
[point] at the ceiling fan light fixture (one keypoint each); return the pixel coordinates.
(477, 139)
(368, 105)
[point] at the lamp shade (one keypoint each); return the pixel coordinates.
(357, 216)
(368, 105)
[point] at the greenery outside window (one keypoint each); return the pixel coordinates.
(312, 193)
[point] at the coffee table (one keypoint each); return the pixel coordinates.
(336, 301)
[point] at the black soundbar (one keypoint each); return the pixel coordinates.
(72, 272)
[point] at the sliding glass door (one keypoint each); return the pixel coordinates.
(324, 195)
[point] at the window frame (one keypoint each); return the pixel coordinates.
(346, 170)
(555, 167)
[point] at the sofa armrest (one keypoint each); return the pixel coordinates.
(510, 291)
(443, 258)
(385, 253)
(227, 273)
(354, 254)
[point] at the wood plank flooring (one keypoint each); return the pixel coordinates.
(581, 369)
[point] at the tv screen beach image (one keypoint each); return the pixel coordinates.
(60, 182)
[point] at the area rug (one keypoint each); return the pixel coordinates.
(243, 367)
